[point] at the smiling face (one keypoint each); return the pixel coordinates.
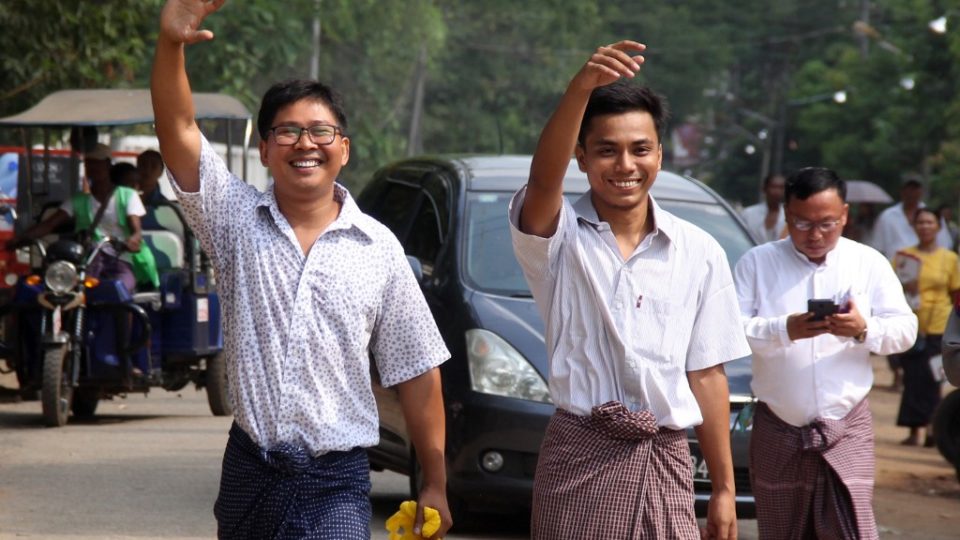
(305, 169)
(818, 209)
(621, 155)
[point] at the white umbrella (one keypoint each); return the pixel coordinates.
(862, 191)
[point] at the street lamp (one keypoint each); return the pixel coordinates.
(939, 25)
(840, 97)
(769, 140)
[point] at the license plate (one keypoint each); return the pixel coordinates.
(699, 465)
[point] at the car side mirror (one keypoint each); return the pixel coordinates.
(416, 267)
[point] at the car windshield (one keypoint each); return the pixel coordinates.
(491, 266)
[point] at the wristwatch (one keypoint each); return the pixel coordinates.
(862, 336)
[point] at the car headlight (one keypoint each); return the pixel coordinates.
(499, 369)
(60, 277)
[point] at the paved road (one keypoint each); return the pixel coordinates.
(145, 467)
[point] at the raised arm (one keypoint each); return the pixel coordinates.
(173, 109)
(541, 207)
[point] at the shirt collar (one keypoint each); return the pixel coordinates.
(663, 222)
(350, 213)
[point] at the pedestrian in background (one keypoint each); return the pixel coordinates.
(811, 450)
(765, 220)
(311, 289)
(892, 232)
(945, 214)
(636, 304)
(938, 287)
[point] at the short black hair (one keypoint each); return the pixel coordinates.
(150, 155)
(928, 210)
(620, 98)
(123, 174)
(812, 180)
(290, 91)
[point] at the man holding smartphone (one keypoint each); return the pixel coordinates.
(811, 451)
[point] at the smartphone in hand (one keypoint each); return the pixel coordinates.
(821, 307)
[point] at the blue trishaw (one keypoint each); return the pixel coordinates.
(76, 339)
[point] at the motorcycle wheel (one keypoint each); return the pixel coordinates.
(216, 383)
(56, 397)
(85, 403)
(946, 428)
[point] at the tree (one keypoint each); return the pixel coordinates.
(60, 44)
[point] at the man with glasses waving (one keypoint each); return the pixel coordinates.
(311, 289)
(814, 306)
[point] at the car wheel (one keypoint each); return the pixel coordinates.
(946, 428)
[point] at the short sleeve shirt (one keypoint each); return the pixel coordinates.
(939, 277)
(299, 330)
(108, 223)
(630, 330)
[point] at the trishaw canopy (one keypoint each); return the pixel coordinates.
(113, 107)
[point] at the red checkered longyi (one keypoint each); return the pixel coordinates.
(815, 481)
(613, 474)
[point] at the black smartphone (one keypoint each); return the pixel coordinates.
(821, 308)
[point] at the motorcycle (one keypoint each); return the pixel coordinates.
(73, 339)
(81, 339)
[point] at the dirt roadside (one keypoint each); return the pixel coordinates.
(917, 492)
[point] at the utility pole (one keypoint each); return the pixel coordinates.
(315, 56)
(415, 136)
(864, 38)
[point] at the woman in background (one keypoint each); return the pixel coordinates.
(937, 285)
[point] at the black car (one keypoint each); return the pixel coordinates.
(450, 214)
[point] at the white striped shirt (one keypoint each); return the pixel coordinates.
(629, 330)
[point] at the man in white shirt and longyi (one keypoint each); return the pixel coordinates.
(811, 454)
(637, 306)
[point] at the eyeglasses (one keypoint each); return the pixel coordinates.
(322, 134)
(823, 226)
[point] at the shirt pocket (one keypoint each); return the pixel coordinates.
(653, 335)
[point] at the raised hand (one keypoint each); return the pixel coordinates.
(180, 20)
(608, 64)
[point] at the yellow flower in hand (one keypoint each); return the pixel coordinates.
(404, 519)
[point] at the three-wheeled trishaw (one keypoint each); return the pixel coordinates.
(76, 339)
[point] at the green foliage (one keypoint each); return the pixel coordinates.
(58, 44)
(751, 72)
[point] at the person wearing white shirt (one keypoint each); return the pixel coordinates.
(765, 219)
(812, 436)
(315, 294)
(637, 307)
(893, 229)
